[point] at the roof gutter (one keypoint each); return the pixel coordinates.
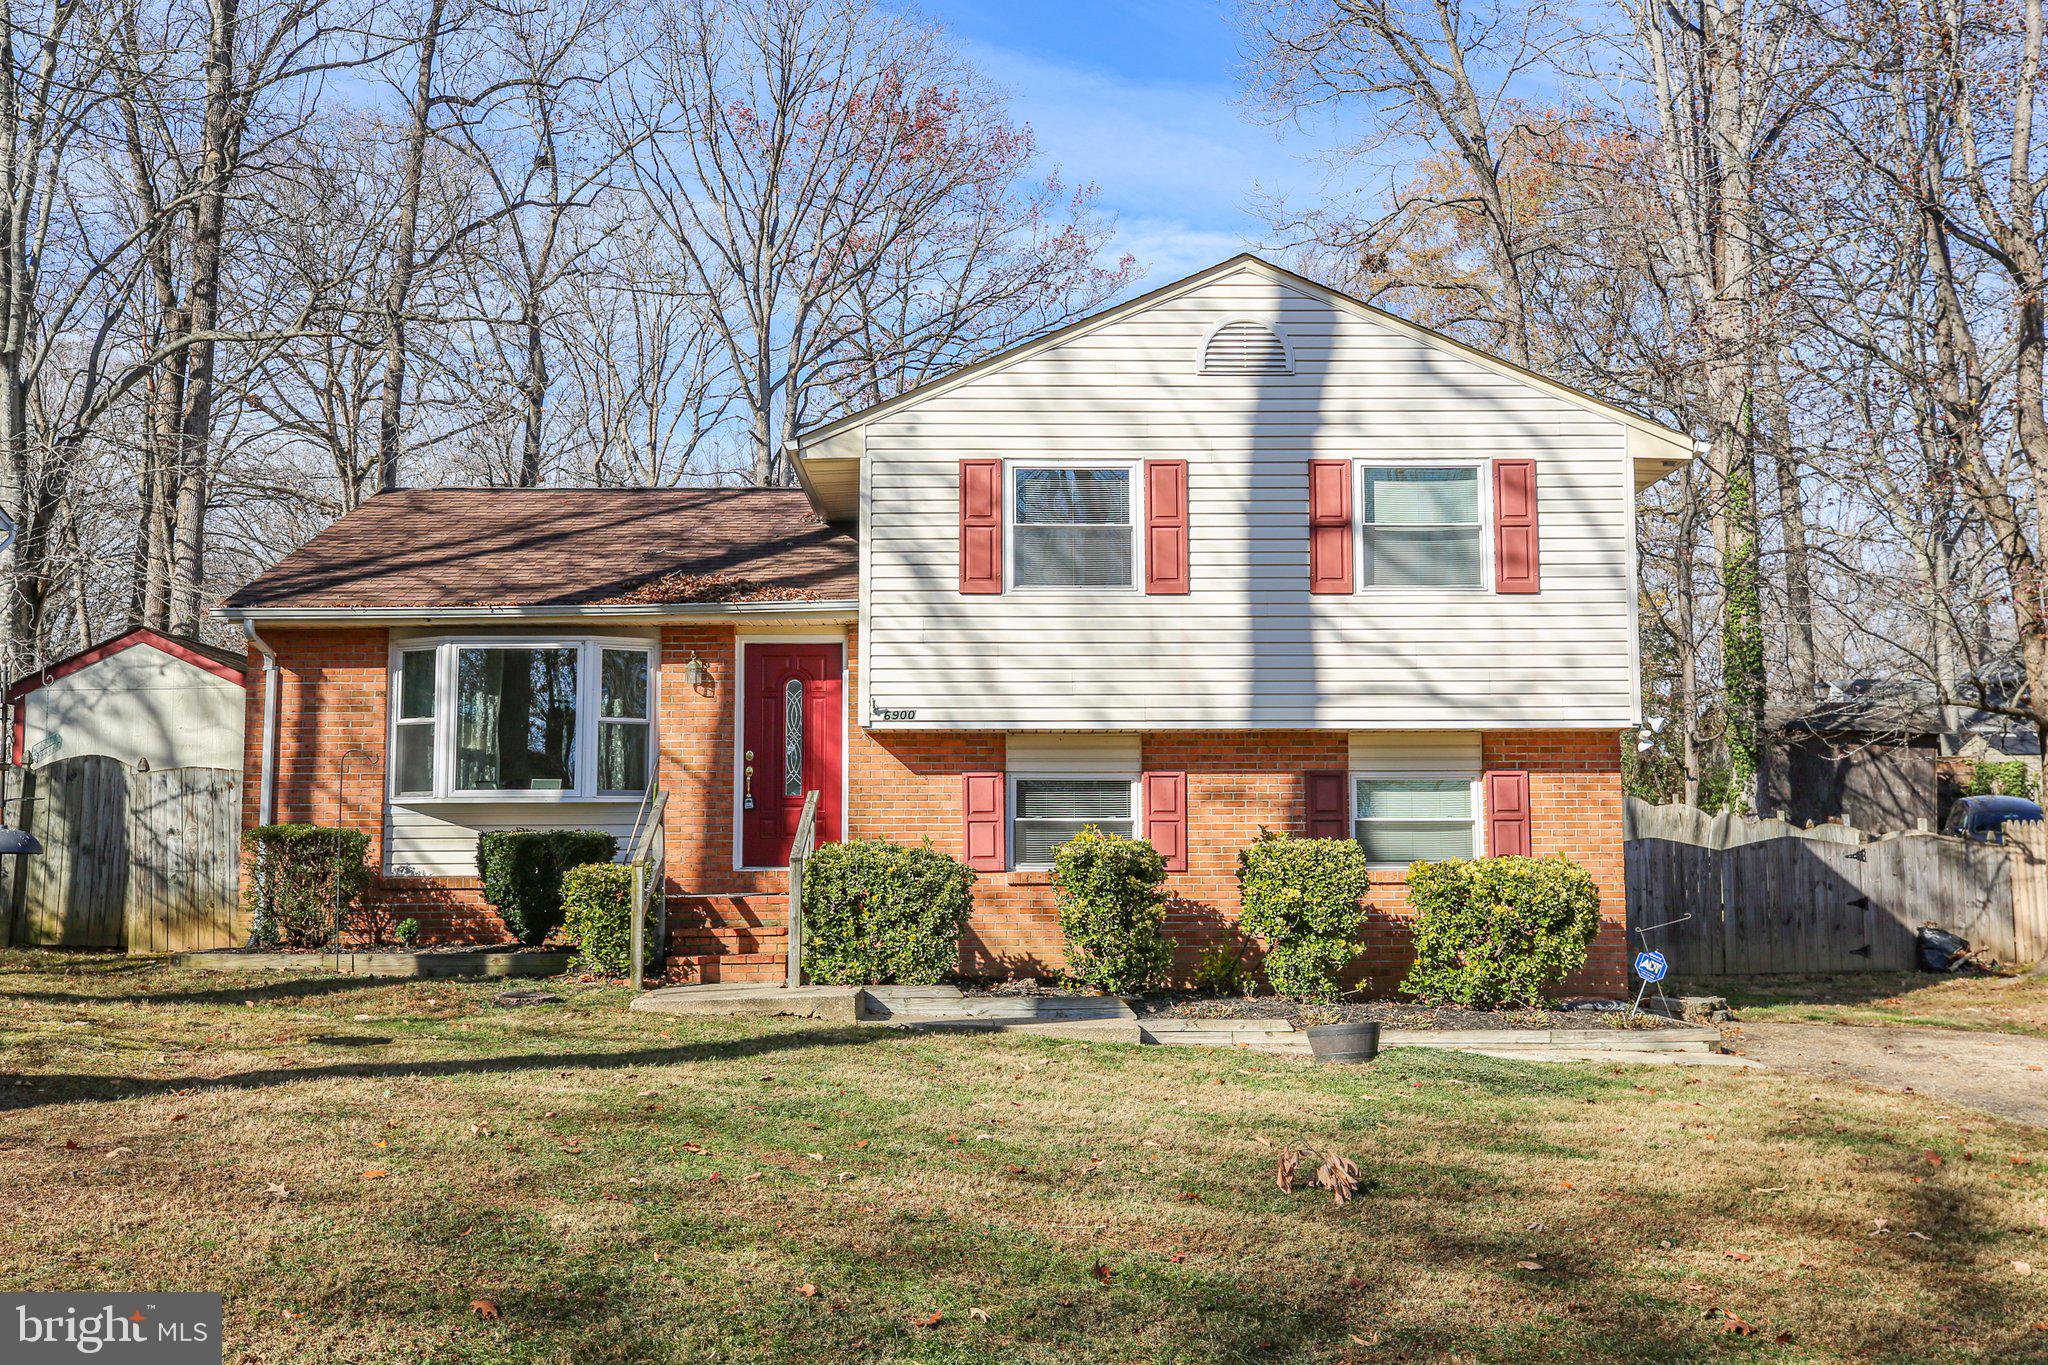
(835, 609)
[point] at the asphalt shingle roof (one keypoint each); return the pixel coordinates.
(539, 547)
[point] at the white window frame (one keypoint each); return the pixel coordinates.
(1132, 468)
(431, 721)
(588, 659)
(1472, 780)
(1361, 529)
(1055, 775)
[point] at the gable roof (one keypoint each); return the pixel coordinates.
(1656, 448)
(562, 547)
(222, 663)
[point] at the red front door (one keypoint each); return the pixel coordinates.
(791, 731)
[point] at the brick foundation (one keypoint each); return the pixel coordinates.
(729, 924)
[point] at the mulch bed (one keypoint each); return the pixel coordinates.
(1306, 1013)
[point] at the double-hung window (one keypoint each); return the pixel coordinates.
(492, 718)
(1072, 527)
(1422, 526)
(1047, 811)
(1401, 820)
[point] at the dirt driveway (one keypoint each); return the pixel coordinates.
(2000, 1073)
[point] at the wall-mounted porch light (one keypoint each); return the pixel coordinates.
(697, 671)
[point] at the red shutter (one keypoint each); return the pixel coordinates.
(1507, 813)
(1514, 526)
(1328, 810)
(981, 803)
(1166, 526)
(1166, 817)
(1329, 526)
(981, 526)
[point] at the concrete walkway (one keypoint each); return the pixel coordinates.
(2000, 1073)
(1108, 1019)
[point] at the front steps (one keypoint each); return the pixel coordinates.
(728, 939)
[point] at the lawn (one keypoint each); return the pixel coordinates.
(406, 1172)
(2000, 1004)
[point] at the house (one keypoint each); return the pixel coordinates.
(1883, 754)
(1242, 552)
(150, 699)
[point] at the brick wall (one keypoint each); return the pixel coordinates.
(330, 770)
(730, 924)
(906, 787)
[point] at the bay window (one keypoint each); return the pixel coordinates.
(521, 719)
(1422, 526)
(1072, 527)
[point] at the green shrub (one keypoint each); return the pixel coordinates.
(407, 933)
(522, 873)
(1112, 910)
(1222, 970)
(297, 876)
(879, 913)
(1491, 932)
(597, 912)
(1301, 896)
(1993, 777)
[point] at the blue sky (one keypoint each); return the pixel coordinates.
(1141, 99)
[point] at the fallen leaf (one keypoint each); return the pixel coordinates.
(484, 1308)
(1339, 1175)
(933, 1321)
(1290, 1158)
(1528, 1265)
(815, 1156)
(862, 1143)
(1103, 1273)
(1738, 1255)
(2022, 1268)
(809, 1291)
(113, 1152)
(376, 1175)
(978, 1314)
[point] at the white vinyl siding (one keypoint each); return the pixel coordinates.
(1247, 646)
(438, 839)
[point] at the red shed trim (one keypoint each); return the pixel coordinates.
(195, 652)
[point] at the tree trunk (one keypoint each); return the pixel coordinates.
(398, 290)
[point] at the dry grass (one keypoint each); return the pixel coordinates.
(630, 1189)
(1998, 1004)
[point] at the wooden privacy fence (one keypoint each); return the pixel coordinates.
(145, 861)
(1764, 896)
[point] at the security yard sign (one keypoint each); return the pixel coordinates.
(1651, 967)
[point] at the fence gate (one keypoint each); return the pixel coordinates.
(141, 860)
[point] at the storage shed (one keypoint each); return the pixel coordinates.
(149, 699)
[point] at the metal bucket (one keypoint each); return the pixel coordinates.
(1344, 1042)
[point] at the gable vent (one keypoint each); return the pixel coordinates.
(1246, 347)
